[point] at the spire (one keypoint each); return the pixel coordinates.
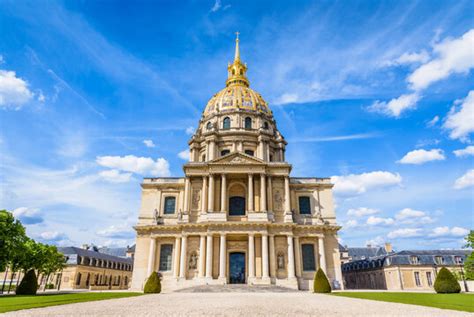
(237, 70)
(237, 51)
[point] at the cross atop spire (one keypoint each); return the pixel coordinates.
(237, 70)
(237, 51)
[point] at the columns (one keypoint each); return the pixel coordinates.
(183, 260)
(187, 185)
(209, 257)
(322, 254)
(270, 194)
(222, 258)
(211, 150)
(298, 256)
(265, 274)
(151, 256)
(250, 194)
(287, 195)
(202, 257)
(251, 256)
(291, 258)
(223, 193)
(177, 243)
(272, 256)
(203, 195)
(263, 194)
(210, 200)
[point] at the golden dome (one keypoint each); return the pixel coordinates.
(237, 94)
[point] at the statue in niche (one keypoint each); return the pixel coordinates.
(180, 215)
(196, 199)
(193, 260)
(281, 261)
(278, 200)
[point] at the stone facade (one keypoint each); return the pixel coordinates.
(236, 215)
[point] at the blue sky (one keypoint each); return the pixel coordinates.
(95, 95)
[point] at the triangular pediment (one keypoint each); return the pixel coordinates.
(237, 158)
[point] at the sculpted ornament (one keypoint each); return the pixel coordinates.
(278, 200)
(281, 261)
(196, 199)
(237, 159)
(193, 260)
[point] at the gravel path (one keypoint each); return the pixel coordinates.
(238, 304)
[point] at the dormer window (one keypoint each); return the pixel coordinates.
(248, 123)
(209, 125)
(414, 259)
(226, 123)
(439, 260)
(265, 125)
(458, 260)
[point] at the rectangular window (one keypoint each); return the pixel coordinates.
(308, 257)
(458, 260)
(170, 203)
(166, 252)
(439, 260)
(429, 279)
(225, 152)
(249, 152)
(414, 260)
(417, 279)
(305, 206)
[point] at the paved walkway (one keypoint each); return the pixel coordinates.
(237, 304)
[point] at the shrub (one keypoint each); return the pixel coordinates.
(28, 285)
(321, 283)
(446, 282)
(153, 284)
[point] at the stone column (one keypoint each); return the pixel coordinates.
(287, 195)
(222, 258)
(183, 260)
(291, 258)
(265, 274)
(223, 193)
(203, 195)
(151, 256)
(260, 149)
(209, 257)
(250, 194)
(210, 201)
(211, 150)
(298, 256)
(187, 185)
(263, 194)
(272, 256)
(322, 254)
(177, 243)
(202, 256)
(270, 194)
(251, 256)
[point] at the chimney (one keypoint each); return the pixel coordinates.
(369, 245)
(85, 246)
(388, 247)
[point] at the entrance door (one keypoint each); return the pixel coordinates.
(237, 268)
(237, 206)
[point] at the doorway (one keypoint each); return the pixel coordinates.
(237, 268)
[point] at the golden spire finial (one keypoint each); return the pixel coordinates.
(237, 51)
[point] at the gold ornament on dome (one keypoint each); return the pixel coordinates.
(237, 94)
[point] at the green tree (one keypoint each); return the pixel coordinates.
(28, 285)
(12, 237)
(446, 282)
(153, 284)
(469, 263)
(321, 283)
(54, 262)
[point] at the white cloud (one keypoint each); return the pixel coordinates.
(149, 143)
(432, 122)
(115, 176)
(449, 232)
(28, 216)
(350, 224)
(362, 211)
(377, 241)
(460, 121)
(184, 155)
(217, 6)
(405, 233)
(52, 236)
(453, 56)
(422, 156)
(411, 58)
(408, 215)
(468, 151)
(374, 221)
(139, 165)
(360, 183)
(467, 180)
(40, 96)
(396, 106)
(190, 130)
(14, 92)
(117, 232)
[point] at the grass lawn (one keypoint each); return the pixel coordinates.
(463, 302)
(10, 303)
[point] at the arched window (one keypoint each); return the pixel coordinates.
(209, 125)
(226, 123)
(248, 123)
(78, 279)
(203, 158)
(265, 125)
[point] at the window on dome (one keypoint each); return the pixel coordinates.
(203, 158)
(225, 152)
(308, 257)
(304, 204)
(241, 72)
(265, 125)
(248, 123)
(226, 123)
(249, 152)
(209, 126)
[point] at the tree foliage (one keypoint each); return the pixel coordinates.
(153, 284)
(469, 263)
(446, 282)
(28, 285)
(12, 238)
(321, 283)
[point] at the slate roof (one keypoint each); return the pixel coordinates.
(366, 252)
(73, 252)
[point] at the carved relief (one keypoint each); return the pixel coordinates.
(278, 200)
(193, 260)
(196, 198)
(237, 245)
(237, 159)
(281, 260)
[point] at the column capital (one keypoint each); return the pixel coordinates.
(265, 234)
(251, 234)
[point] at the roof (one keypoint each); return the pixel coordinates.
(71, 251)
(366, 252)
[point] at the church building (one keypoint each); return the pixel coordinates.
(237, 217)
